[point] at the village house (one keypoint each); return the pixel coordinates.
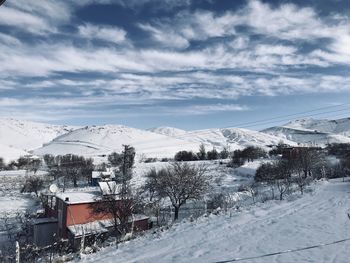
(70, 215)
(293, 152)
(99, 176)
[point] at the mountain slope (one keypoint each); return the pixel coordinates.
(26, 135)
(339, 126)
(169, 131)
(312, 131)
(162, 142)
(234, 138)
(101, 140)
(9, 153)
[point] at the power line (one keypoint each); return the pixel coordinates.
(208, 131)
(311, 115)
(246, 125)
(289, 115)
(284, 252)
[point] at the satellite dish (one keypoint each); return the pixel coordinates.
(53, 188)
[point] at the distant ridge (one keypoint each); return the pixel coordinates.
(22, 137)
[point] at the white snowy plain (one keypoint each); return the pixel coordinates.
(315, 218)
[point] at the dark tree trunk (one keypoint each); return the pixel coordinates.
(176, 215)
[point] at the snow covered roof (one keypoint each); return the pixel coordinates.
(78, 197)
(91, 228)
(109, 187)
(99, 226)
(99, 174)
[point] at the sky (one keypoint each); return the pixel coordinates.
(190, 64)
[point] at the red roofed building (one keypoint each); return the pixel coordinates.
(75, 216)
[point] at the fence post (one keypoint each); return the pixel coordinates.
(18, 254)
(82, 241)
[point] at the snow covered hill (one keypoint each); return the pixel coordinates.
(274, 226)
(169, 131)
(17, 137)
(340, 126)
(234, 138)
(101, 140)
(312, 131)
(9, 153)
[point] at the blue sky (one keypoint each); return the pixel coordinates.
(190, 64)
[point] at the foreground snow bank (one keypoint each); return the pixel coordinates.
(319, 217)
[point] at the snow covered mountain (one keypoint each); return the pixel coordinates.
(156, 143)
(169, 131)
(340, 126)
(17, 137)
(312, 131)
(101, 140)
(20, 137)
(234, 138)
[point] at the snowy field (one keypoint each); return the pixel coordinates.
(317, 217)
(13, 204)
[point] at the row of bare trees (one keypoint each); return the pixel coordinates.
(69, 167)
(23, 162)
(202, 154)
(306, 165)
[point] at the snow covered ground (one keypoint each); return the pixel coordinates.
(317, 217)
(13, 204)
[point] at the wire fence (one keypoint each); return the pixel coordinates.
(284, 251)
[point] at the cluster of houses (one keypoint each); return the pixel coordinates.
(70, 215)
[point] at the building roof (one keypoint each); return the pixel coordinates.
(92, 228)
(98, 226)
(45, 220)
(110, 188)
(78, 197)
(98, 174)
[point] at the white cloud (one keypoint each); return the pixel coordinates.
(106, 33)
(166, 37)
(23, 20)
(186, 27)
(172, 70)
(38, 17)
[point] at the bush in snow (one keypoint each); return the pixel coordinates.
(185, 156)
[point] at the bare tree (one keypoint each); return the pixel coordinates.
(202, 154)
(179, 182)
(120, 203)
(278, 173)
(119, 207)
(2, 164)
(282, 176)
(33, 184)
(74, 167)
(126, 158)
(34, 165)
(252, 189)
(308, 160)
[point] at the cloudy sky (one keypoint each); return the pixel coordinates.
(185, 63)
